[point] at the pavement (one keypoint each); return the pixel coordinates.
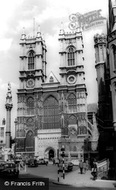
(74, 178)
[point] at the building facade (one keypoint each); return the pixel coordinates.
(104, 114)
(105, 49)
(53, 112)
(112, 63)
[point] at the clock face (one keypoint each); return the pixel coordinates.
(30, 83)
(71, 79)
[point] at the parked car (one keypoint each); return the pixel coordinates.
(67, 165)
(75, 162)
(43, 161)
(9, 169)
(32, 163)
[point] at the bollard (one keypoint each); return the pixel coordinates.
(58, 175)
(63, 169)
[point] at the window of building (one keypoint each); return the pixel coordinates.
(31, 60)
(29, 144)
(30, 106)
(82, 130)
(74, 148)
(51, 113)
(72, 120)
(71, 56)
(1, 131)
(20, 132)
(72, 102)
(20, 144)
(114, 56)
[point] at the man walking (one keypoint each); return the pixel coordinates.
(81, 166)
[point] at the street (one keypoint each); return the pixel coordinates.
(48, 174)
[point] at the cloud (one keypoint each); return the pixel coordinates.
(5, 44)
(16, 14)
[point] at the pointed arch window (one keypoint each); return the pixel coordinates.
(51, 113)
(71, 56)
(30, 106)
(72, 120)
(29, 143)
(31, 60)
(72, 102)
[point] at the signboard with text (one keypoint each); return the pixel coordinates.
(86, 21)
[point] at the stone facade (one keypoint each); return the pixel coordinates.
(52, 112)
(105, 46)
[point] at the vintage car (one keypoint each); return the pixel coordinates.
(43, 161)
(9, 169)
(32, 162)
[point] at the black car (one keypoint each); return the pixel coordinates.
(9, 169)
(32, 163)
(43, 161)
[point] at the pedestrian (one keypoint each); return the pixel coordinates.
(94, 171)
(84, 167)
(87, 165)
(81, 166)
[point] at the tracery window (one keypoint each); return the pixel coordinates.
(20, 144)
(51, 113)
(82, 130)
(72, 102)
(29, 144)
(20, 132)
(72, 120)
(31, 60)
(71, 56)
(30, 106)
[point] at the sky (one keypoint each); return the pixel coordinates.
(16, 14)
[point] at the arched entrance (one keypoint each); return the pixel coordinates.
(51, 154)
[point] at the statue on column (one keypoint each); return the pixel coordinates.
(9, 94)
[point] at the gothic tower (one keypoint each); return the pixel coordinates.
(74, 92)
(104, 114)
(100, 55)
(31, 75)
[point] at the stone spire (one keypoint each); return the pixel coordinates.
(23, 35)
(62, 28)
(38, 31)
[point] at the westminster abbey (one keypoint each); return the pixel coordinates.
(52, 112)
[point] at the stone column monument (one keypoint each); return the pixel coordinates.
(8, 106)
